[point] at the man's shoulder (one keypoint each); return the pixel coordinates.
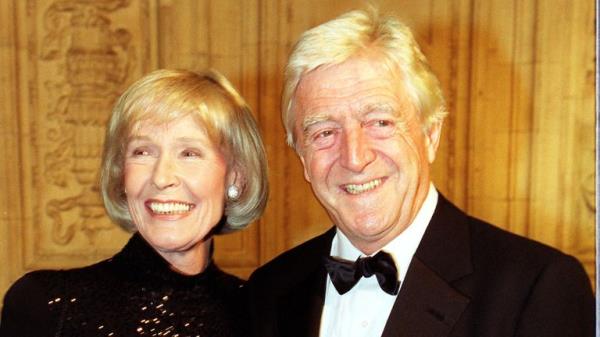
(492, 245)
(489, 241)
(295, 261)
(455, 239)
(544, 284)
(493, 237)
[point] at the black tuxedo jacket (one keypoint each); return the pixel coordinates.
(467, 278)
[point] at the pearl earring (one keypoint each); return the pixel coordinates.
(233, 193)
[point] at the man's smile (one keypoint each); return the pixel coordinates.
(364, 187)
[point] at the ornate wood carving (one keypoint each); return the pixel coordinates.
(94, 60)
(80, 56)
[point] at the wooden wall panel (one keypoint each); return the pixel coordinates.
(10, 176)
(562, 193)
(517, 148)
(76, 59)
(531, 135)
(501, 111)
(444, 36)
(222, 35)
(64, 63)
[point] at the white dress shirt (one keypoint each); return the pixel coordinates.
(364, 310)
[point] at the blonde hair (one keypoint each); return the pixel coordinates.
(166, 95)
(348, 35)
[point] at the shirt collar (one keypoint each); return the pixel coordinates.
(402, 247)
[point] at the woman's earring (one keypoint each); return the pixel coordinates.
(233, 193)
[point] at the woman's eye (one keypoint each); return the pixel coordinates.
(190, 154)
(140, 152)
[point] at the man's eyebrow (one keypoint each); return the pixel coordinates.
(377, 107)
(314, 119)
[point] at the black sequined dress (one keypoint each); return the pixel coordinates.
(132, 294)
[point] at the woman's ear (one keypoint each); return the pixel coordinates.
(236, 178)
(232, 190)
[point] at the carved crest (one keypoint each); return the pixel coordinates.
(94, 59)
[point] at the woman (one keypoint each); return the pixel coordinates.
(182, 161)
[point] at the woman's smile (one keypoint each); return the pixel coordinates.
(169, 207)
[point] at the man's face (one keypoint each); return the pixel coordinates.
(363, 148)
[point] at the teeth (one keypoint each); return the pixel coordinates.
(360, 188)
(170, 207)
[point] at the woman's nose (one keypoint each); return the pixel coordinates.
(164, 174)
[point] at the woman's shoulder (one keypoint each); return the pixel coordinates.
(34, 303)
(33, 285)
(227, 287)
(27, 308)
(44, 288)
(226, 280)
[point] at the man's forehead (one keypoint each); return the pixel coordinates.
(316, 116)
(361, 87)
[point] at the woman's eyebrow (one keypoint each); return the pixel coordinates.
(179, 139)
(138, 138)
(190, 140)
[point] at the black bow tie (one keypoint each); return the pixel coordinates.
(345, 274)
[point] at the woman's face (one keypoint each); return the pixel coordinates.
(174, 180)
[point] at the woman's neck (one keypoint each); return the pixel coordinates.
(191, 261)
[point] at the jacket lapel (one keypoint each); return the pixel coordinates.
(428, 304)
(303, 303)
(303, 308)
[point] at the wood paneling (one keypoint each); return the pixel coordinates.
(223, 35)
(499, 115)
(10, 176)
(75, 58)
(562, 212)
(531, 133)
(517, 148)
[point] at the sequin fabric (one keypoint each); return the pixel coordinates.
(132, 294)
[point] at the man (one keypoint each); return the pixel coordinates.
(364, 113)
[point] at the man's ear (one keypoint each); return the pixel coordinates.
(304, 167)
(432, 139)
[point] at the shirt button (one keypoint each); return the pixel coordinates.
(364, 324)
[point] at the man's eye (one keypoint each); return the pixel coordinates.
(324, 134)
(322, 138)
(381, 128)
(383, 123)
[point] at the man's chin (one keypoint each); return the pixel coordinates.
(365, 235)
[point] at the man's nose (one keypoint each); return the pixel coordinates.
(164, 174)
(356, 152)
